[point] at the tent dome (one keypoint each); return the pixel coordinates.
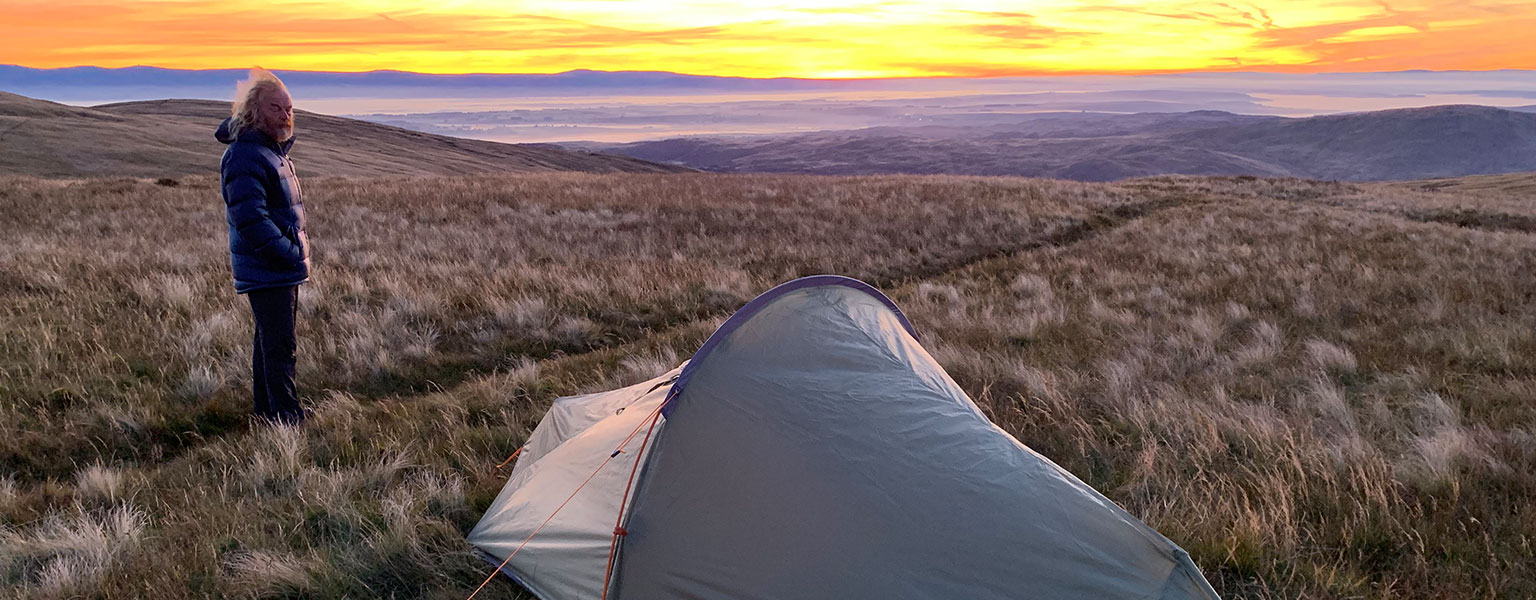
(812, 449)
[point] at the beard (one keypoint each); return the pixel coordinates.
(280, 129)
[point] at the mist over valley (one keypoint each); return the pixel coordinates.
(1350, 126)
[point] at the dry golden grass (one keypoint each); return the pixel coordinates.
(1313, 387)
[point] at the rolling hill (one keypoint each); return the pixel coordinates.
(1410, 143)
(1440, 141)
(167, 138)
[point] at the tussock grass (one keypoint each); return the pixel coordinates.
(1314, 389)
(268, 574)
(99, 483)
(67, 553)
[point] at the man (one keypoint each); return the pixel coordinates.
(268, 250)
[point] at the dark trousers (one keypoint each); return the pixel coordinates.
(273, 391)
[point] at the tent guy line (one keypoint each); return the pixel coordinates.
(618, 522)
(654, 415)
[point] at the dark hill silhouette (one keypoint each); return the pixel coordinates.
(167, 138)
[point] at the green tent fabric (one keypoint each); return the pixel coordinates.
(813, 449)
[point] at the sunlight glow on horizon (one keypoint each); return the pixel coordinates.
(776, 38)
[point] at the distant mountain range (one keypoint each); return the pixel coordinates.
(175, 137)
(1417, 143)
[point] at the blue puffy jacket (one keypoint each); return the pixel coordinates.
(265, 211)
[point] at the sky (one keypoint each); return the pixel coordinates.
(776, 38)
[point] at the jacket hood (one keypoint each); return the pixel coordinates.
(225, 133)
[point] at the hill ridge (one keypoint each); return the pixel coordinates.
(174, 137)
(1393, 144)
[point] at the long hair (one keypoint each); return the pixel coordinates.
(248, 98)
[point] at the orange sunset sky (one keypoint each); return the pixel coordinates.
(810, 38)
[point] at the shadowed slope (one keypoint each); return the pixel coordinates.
(1411, 143)
(1439, 141)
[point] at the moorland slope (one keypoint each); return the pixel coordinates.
(171, 138)
(1321, 390)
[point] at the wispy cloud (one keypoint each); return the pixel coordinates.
(1436, 35)
(1020, 28)
(806, 38)
(1230, 17)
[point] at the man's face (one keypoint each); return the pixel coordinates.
(276, 114)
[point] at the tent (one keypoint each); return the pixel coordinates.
(810, 449)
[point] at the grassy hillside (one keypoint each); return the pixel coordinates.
(1416, 143)
(1408, 143)
(172, 138)
(1320, 390)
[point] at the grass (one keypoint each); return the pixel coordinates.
(1320, 390)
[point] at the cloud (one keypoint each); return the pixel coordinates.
(791, 38)
(1016, 27)
(1440, 35)
(1238, 17)
(1262, 18)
